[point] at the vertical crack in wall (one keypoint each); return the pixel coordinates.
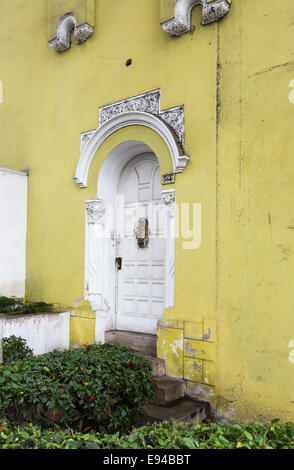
(241, 157)
(218, 111)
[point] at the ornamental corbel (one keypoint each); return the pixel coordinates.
(79, 19)
(180, 23)
(65, 26)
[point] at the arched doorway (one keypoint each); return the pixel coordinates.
(129, 277)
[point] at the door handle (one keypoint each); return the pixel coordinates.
(142, 233)
(118, 263)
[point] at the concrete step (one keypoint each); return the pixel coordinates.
(185, 409)
(158, 365)
(168, 390)
(141, 342)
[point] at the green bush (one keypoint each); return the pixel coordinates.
(8, 304)
(101, 386)
(15, 306)
(167, 435)
(15, 348)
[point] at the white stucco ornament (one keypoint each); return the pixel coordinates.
(141, 110)
(212, 10)
(66, 25)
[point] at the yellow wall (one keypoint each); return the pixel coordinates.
(233, 79)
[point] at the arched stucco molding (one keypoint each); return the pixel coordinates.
(64, 29)
(212, 10)
(96, 138)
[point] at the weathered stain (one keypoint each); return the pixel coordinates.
(190, 350)
(207, 336)
(78, 301)
(270, 69)
(286, 251)
(196, 366)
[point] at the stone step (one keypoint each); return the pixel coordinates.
(185, 409)
(158, 365)
(168, 390)
(141, 342)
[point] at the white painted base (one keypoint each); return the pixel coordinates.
(43, 332)
(100, 327)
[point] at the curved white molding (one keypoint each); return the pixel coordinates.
(212, 10)
(64, 29)
(136, 118)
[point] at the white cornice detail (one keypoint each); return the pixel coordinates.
(213, 10)
(66, 25)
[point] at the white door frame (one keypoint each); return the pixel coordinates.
(100, 243)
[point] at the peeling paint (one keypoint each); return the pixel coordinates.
(194, 352)
(177, 345)
(189, 349)
(207, 335)
(196, 366)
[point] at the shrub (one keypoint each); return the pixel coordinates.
(166, 435)
(15, 306)
(102, 386)
(15, 348)
(8, 304)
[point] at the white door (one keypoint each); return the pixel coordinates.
(140, 283)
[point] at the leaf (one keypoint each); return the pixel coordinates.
(92, 445)
(188, 443)
(58, 438)
(248, 435)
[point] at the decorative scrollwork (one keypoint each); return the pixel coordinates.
(168, 197)
(147, 103)
(95, 211)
